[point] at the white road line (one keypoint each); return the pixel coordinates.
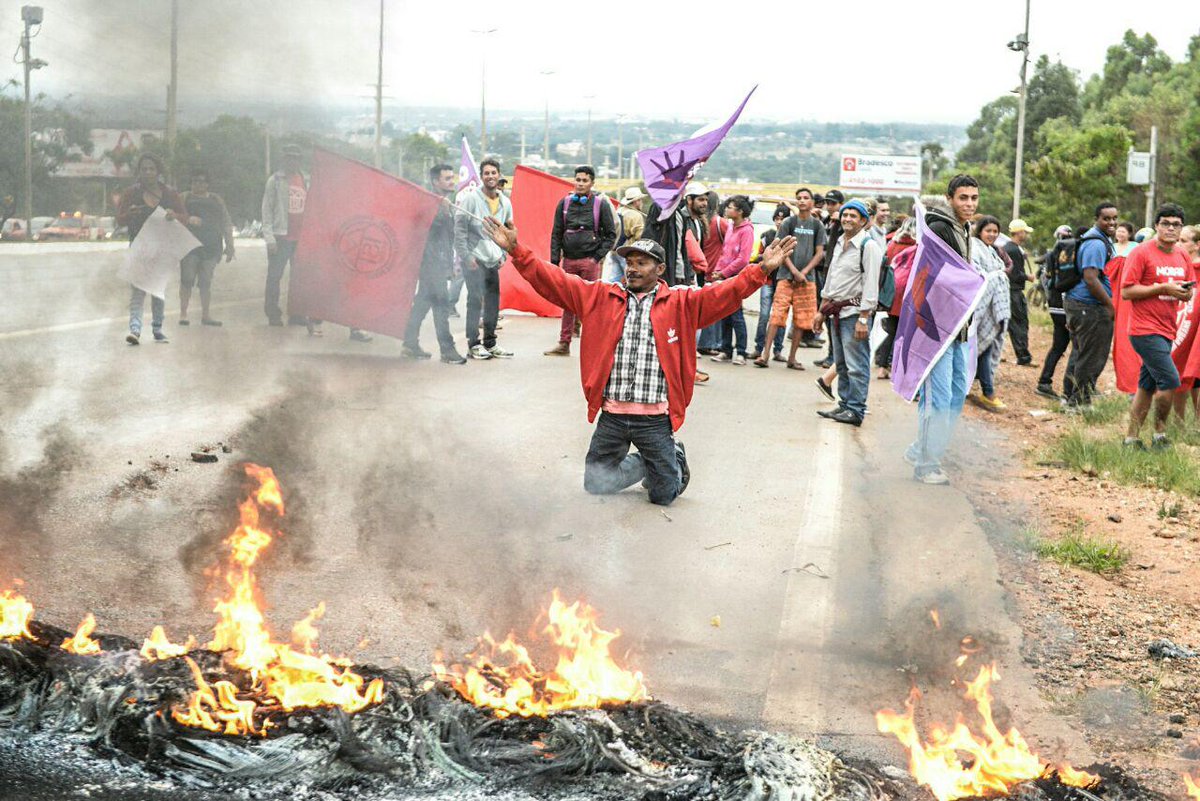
(794, 687)
(55, 329)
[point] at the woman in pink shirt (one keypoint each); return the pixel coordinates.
(735, 257)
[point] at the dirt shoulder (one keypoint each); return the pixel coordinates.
(1087, 635)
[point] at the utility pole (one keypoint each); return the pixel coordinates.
(31, 16)
(1151, 190)
(546, 124)
(379, 97)
(589, 99)
(484, 32)
(173, 86)
(1020, 45)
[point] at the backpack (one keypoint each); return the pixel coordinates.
(581, 241)
(1067, 274)
(887, 279)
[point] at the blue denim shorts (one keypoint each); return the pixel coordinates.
(1158, 371)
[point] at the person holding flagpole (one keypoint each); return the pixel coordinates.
(481, 260)
(945, 387)
(637, 356)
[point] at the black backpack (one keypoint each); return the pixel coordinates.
(1066, 274)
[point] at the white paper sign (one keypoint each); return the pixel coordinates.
(1137, 168)
(155, 254)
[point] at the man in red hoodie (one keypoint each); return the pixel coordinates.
(637, 356)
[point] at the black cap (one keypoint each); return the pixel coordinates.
(647, 246)
(835, 195)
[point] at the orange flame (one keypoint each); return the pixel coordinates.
(15, 614)
(1193, 786)
(82, 642)
(936, 618)
(289, 678)
(995, 761)
(505, 679)
(158, 646)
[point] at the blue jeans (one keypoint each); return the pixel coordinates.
(137, 303)
(985, 369)
(766, 296)
(942, 397)
(710, 338)
(609, 466)
(853, 360)
(733, 324)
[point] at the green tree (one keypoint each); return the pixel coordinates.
(933, 154)
(1135, 60)
(418, 152)
(1053, 93)
(982, 132)
(57, 133)
(1079, 167)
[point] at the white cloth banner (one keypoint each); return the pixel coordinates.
(155, 254)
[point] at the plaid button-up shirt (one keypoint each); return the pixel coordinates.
(637, 376)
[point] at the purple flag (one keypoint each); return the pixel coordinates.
(942, 291)
(668, 169)
(468, 176)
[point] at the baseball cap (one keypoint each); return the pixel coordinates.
(647, 246)
(1019, 225)
(837, 197)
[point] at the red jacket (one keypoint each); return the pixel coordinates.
(675, 316)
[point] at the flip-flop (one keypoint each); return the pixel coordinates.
(796, 366)
(701, 378)
(760, 363)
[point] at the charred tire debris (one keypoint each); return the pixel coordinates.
(109, 714)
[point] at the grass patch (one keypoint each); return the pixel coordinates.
(1174, 470)
(1077, 549)
(1106, 411)
(1039, 316)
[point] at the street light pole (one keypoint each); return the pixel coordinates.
(173, 86)
(546, 124)
(379, 97)
(30, 15)
(483, 90)
(1021, 45)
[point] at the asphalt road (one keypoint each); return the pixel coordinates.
(789, 588)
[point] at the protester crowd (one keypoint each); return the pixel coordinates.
(622, 270)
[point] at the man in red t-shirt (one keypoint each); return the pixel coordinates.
(1156, 279)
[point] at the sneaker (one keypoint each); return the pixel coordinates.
(779, 357)
(453, 357)
(159, 337)
(479, 352)
(561, 349)
(935, 477)
(846, 416)
(133, 338)
(1160, 443)
(685, 472)
(991, 404)
(414, 352)
(1026, 363)
(361, 336)
(315, 330)
(1047, 391)
(828, 413)
(826, 390)
(824, 364)
(739, 359)
(755, 355)
(910, 458)
(721, 357)
(500, 353)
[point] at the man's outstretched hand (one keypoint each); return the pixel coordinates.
(776, 252)
(503, 234)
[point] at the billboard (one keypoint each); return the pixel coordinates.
(875, 174)
(111, 148)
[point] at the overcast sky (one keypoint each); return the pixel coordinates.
(691, 60)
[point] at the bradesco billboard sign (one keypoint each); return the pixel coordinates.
(881, 173)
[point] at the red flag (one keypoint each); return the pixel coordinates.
(1126, 363)
(360, 246)
(535, 195)
(1185, 352)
